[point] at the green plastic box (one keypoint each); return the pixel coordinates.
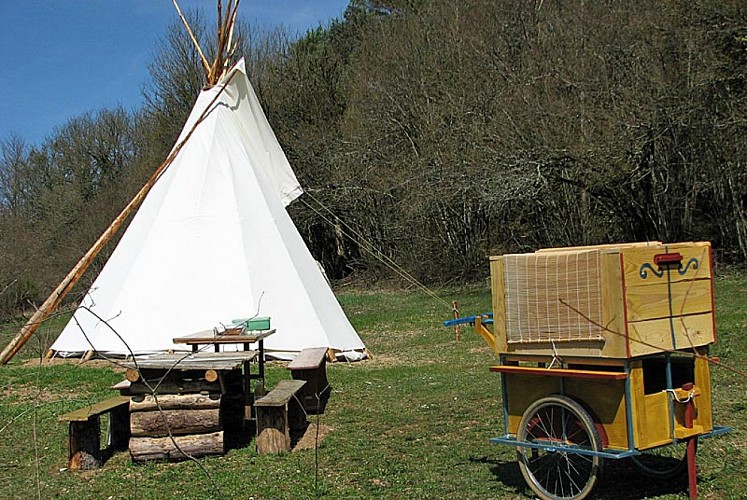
(256, 323)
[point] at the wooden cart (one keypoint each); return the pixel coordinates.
(603, 353)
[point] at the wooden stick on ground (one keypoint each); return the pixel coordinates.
(457, 330)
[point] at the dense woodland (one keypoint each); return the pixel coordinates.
(434, 133)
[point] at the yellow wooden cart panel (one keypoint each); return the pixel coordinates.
(604, 398)
(652, 301)
(649, 337)
(640, 268)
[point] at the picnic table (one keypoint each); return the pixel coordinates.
(194, 403)
(244, 339)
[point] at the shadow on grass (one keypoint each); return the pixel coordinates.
(619, 480)
(507, 473)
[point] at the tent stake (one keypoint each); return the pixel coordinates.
(457, 330)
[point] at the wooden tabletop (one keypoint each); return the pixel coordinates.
(210, 337)
(195, 361)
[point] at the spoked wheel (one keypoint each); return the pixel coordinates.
(556, 471)
(668, 462)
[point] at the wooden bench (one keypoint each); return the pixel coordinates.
(311, 366)
(84, 432)
(279, 413)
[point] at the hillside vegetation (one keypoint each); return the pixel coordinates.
(436, 132)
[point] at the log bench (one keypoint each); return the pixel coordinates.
(311, 366)
(279, 413)
(84, 432)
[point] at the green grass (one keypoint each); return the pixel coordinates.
(413, 422)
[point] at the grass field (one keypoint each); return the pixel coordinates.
(413, 422)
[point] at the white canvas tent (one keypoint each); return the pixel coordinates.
(213, 242)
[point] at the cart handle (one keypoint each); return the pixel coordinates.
(487, 318)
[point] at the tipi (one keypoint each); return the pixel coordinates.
(213, 242)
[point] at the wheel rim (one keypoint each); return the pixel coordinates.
(559, 473)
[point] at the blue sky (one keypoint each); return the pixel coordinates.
(62, 58)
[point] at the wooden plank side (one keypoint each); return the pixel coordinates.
(652, 336)
(557, 372)
(273, 430)
(173, 387)
(522, 391)
(210, 337)
(281, 394)
(83, 414)
(652, 424)
(613, 313)
(197, 445)
(177, 422)
(652, 301)
(606, 400)
(148, 402)
(590, 348)
(497, 285)
(703, 404)
(207, 355)
(614, 247)
(641, 270)
(308, 358)
(198, 361)
(648, 427)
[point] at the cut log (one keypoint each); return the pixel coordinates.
(132, 375)
(179, 387)
(273, 422)
(179, 422)
(196, 445)
(273, 434)
(175, 402)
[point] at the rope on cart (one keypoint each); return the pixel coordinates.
(673, 393)
(555, 356)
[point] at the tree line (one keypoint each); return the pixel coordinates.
(434, 133)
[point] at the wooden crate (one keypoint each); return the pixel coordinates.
(615, 301)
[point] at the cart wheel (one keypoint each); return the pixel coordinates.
(667, 462)
(559, 473)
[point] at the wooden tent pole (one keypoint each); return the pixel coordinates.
(203, 59)
(80, 268)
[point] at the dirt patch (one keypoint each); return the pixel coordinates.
(310, 439)
(91, 363)
(31, 394)
(386, 360)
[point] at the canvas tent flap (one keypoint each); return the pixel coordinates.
(211, 242)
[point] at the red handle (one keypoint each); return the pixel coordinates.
(663, 259)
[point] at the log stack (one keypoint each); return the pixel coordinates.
(197, 417)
